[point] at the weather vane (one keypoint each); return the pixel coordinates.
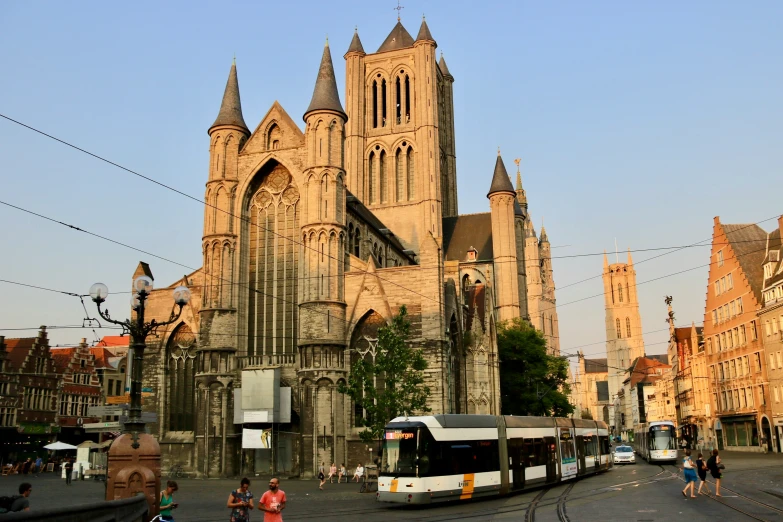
(398, 9)
(517, 161)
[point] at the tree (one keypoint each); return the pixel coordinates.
(393, 384)
(587, 415)
(532, 382)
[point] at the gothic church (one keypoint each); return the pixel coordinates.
(312, 241)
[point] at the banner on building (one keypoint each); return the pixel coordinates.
(256, 439)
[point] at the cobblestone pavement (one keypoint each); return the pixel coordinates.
(640, 493)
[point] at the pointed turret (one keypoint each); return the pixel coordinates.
(544, 238)
(500, 180)
(518, 210)
(521, 195)
(399, 38)
(424, 31)
(356, 44)
(325, 95)
(444, 69)
(630, 258)
(231, 107)
(606, 262)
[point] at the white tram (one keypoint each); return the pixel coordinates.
(457, 457)
(656, 441)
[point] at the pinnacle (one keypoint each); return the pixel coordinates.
(356, 43)
(325, 95)
(231, 106)
(500, 179)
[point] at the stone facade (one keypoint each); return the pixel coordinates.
(312, 241)
(80, 389)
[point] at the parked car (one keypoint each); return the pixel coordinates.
(623, 455)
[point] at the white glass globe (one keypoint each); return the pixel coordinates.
(99, 292)
(182, 295)
(134, 302)
(142, 284)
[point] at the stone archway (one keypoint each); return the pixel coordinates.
(766, 434)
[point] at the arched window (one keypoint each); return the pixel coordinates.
(407, 100)
(181, 378)
(383, 177)
(383, 102)
(619, 331)
(620, 291)
(374, 104)
(398, 98)
(356, 244)
(398, 179)
(409, 163)
(371, 178)
(364, 345)
(628, 292)
(627, 327)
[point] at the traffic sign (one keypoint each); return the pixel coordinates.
(146, 416)
(100, 411)
(94, 427)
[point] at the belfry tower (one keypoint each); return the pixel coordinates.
(624, 342)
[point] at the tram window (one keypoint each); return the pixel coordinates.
(535, 453)
(457, 457)
(399, 453)
(591, 445)
(661, 438)
(566, 446)
(604, 445)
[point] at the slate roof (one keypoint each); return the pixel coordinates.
(747, 242)
(356, 44)
(357, 207)
(596, 366)
(500, 180)
(325, 95)
(518, 209)
(424, 32)
(399, 38)
(470, 230)
(231, 106)
(444, 69)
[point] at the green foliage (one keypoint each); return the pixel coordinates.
(399, 373)
(531, 381)
(587, 415)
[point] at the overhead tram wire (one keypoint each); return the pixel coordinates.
(439, 301)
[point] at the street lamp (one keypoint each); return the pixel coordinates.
(138, 329)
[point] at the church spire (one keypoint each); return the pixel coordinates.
(424, 31)
(325, 95)
(231, 107)
(444, 69)
(356, 43)
(500, 180)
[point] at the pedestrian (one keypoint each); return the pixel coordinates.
(167, 503)
(321, 476)
(342, 474)
(359, 473)
(38, 465)
(22, 502)
(273, 502)
(715, 467)
(26, 466)
(240, 502)
(701, 470)
(690, 474)
(332, 472)
(68, 471)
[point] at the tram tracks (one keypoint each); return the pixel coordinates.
(530, 513)
(562, 515)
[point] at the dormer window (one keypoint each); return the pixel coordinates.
(472, 254)
(768, 270)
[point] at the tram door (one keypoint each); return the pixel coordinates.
(553, 459)
(580, 454)
(517, 456)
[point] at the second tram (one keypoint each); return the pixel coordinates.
(458, 457)
(656, 441)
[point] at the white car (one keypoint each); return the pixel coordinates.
(623, 455)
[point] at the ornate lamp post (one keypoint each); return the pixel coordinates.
(134, 462)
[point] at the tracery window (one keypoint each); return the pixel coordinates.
(364, 345)
(627, 327)
(409, 164)
(620, 291)
(181, 362)
(619, 331)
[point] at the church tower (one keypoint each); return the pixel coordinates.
(501, 201)
(322, 261)
(624, 342)
(400, 118)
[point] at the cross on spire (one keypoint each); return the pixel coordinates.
(398, 9)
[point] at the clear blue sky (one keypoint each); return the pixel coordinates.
(636, 121)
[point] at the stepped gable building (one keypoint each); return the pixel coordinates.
(735, 354)
(771, 322)
(79, 390)
(312, 241)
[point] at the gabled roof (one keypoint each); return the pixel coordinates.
(62, 357)
(325, 95)
(747, 242)
(110, 341)
(460, 233)
(104, 358)
(644, 369)
(17, 350)
(774, 245)
(399, 38)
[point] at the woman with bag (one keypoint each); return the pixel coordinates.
(715, 467)
(690, 474)
(701, 470)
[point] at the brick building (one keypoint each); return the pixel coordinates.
(312, 241)
(29, 383)
(735, 355)
(80, 389)
(771, 329)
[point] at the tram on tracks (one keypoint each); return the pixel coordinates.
(656, 441)
(458, 457)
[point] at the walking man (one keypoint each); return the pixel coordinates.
(22, 503)
(273, 502)
(68, 471)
